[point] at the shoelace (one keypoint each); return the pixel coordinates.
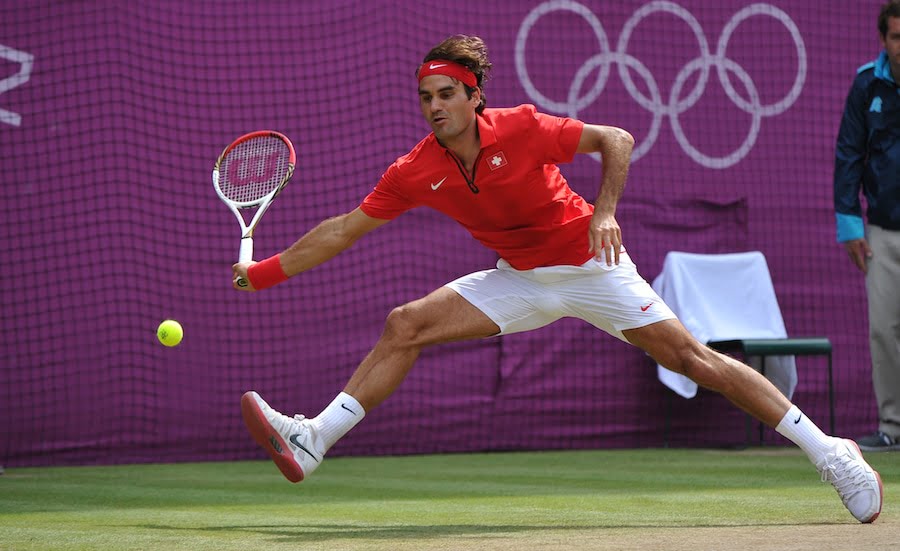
(847, 476)
(281, 422)
(291, 421)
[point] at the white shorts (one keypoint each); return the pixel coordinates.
(612, 298)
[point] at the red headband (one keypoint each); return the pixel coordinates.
(450, 69)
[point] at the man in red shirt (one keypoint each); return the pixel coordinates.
(495, 172)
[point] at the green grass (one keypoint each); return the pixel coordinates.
(477, 501)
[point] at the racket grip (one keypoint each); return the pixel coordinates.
(246, 255)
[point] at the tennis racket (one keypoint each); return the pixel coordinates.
(250, 173)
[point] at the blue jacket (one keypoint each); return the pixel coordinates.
(868, 153)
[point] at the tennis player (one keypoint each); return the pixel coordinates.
(495, 172)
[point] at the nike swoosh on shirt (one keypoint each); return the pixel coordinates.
(437, 185)
(433, 66)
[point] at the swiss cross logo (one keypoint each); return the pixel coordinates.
(497, 160)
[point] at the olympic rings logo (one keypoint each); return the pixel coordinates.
(675, 105)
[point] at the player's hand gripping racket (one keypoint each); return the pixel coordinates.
(250, 173)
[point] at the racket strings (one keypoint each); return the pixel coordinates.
(254, 168)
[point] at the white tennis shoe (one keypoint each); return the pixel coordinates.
(858, 484)
(292, 442)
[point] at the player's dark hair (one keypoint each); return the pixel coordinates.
(470, 52)
(889, 9)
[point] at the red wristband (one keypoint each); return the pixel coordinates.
(266, 273)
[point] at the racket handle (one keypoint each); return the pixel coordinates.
(246, 255)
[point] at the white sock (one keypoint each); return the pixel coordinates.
(799, 429)
(336, 420)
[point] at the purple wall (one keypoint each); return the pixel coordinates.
(114, 112)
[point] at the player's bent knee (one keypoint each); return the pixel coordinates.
(403, 326)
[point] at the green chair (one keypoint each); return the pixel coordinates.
(763, 348)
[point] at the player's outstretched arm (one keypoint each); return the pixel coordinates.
(323, 242)
(327, 240)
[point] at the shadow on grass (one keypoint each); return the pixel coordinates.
(326, 532)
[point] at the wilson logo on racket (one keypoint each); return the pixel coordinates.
(253, 170)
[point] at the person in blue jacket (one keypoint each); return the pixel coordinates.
(867, 160)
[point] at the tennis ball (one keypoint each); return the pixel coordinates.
(170, 333)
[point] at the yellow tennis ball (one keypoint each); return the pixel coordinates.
(170, 333)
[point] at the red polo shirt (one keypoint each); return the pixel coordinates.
(524, 209)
